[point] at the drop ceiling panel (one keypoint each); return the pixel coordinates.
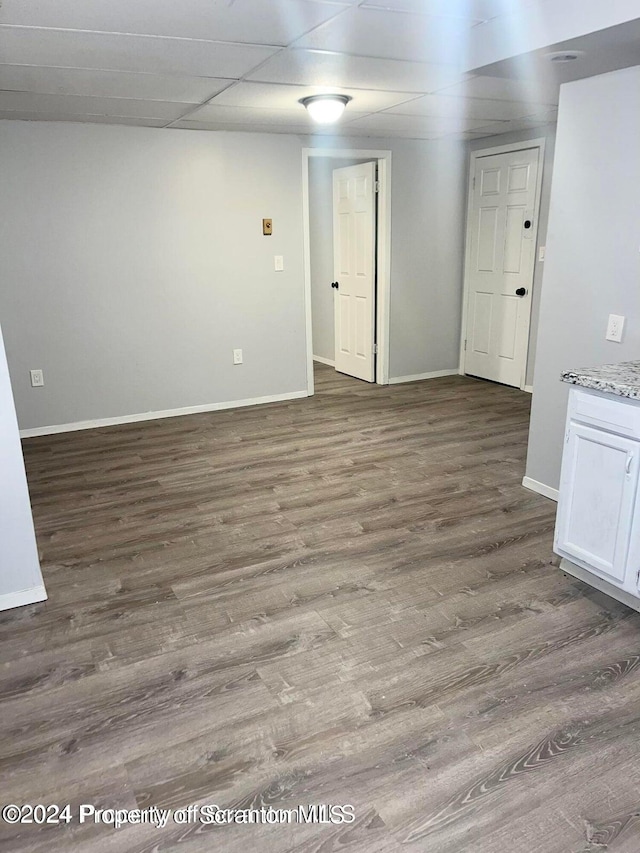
(67, 49)
(503, 89)
(92, 119)
(253, 21)
(546, 117)
(245, 127)
(320, 68)
(274, 96)
(477, 10)
(520, 124)
(79, 106)
(375, 32)
(428, 124)
(109, 84)
(472, 108)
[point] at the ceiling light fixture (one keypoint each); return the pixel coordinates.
(325, 109)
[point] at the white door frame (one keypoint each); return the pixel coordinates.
(473, 161)
(383, 255)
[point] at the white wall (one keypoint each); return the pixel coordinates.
(592, 266)
(548, 133)
(20, 578)
(134, 263)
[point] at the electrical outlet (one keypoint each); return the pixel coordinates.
(237, 356)
(278, 263)
(615, 327)
(37, 378)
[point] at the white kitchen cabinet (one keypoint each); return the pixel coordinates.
(598, 522)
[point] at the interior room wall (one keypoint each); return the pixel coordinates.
(134, 264)
(592, 266)
(427, 248)
(548, 133)
(321, 252)
(20, 578)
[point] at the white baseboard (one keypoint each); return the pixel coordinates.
(152, 416)
(528, 389)
(326, 361)
(540, 488)
(25, 596)
(436, 374)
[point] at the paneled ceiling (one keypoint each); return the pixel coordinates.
(244, 64)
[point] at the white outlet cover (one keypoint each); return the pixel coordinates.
(278, 263)
(37, 378)
(237, 356)
(615, 328)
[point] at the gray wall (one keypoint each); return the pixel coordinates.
(321, 251)
(592, 267)
(19, 567)
(134, 263)
(427, 248)
(549, 134)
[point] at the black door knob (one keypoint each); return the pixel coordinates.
(528, 223)
(335, 284)
(521, 291)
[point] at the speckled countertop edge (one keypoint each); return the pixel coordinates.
(621, 379)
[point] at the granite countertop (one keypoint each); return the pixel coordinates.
(622, 379)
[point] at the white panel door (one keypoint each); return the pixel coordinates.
(354, 244)
(598, 489)
(501, 257)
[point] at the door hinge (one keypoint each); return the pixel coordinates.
(474, 182)
(376, 186)
(638, 578)
(465, 344)
(375, 349)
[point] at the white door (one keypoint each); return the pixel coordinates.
(501, 237)
(598, 488)
(354, 245)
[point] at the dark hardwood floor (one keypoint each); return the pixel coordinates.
(343, 599)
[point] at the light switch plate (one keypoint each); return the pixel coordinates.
(237, 356)
(541, 253)
(615, 327)
(278, 263)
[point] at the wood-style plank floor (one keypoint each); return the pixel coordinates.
(343, 599)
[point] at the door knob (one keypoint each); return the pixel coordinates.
(335, 284)
(521, 291)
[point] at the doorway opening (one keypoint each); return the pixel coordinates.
(330, 308)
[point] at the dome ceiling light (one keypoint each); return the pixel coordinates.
(564, 55)
(325, 109)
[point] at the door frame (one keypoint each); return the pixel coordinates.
(383, 252)
(473, 162)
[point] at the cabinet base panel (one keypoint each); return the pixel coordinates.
(604, 586)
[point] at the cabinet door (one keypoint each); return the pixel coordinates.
(597, 496)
